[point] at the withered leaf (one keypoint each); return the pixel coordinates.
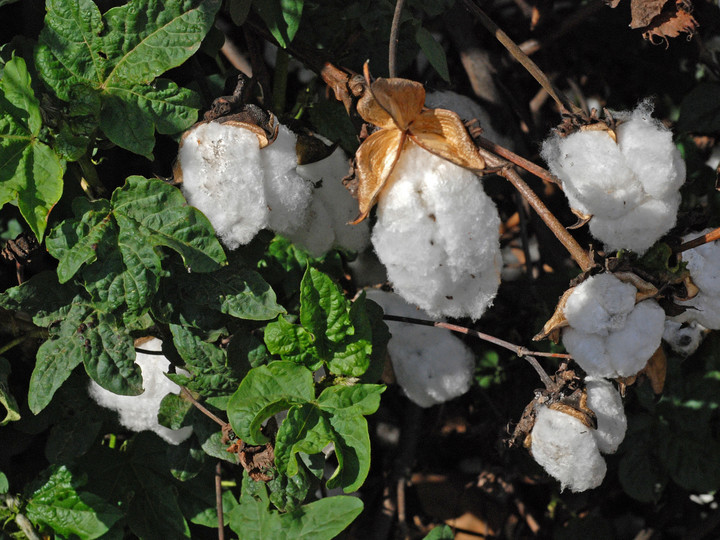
(644, 11)
(392, 103)
(645, 289)
(656, 369)
(663, 18)
(557, 322)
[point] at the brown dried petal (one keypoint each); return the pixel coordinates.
(392, 103)
(374, 163)
(441, 132)
(558, 320)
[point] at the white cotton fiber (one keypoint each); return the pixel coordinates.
(139, 413)
(331, 210)
(605, 401)
(629, 187)
(703, 263)
(437, 235)
(239, 187)
(567, 450)
(609, 335)
(683, 338)
(431, 365)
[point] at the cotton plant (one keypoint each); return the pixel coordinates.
(140, 413)
(626, 179)
(569, 446)
(431, 365)
(607, 333)
(703, 263)
(436, 230)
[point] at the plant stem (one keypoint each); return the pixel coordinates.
(394, 38)
(566, 107)
(700, 240)
(282, 60)
(40, 332)
(218, 501)
(185, 392)
(517, 349)
(529, 166)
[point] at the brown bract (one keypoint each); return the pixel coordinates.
(396, 106)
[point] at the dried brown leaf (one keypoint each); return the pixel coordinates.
(392, 103)
(443, 133)
(644, 11)
(670, 25)
(374, 162)
(656, 370)
(557, 322)
(645, 289)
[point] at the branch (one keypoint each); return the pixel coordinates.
(529, 166)
(394, 38)
(218, 501)
(566, 107)
(185, 392)
(40, 332)
(700, 240)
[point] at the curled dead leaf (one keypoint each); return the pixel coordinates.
(663, 19)
(583, 219)
(644, 288)
(557, 322)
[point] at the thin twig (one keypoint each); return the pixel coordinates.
(394, 38)
(700, 240)
(562, 101)
(218, 501)
(185, 392)
(517, 349)
(529, 166)
(579, 255)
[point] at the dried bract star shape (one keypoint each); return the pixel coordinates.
(609, 335)
(396, 106)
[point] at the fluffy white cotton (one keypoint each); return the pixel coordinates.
(683, 338)
(567, 450)
(437, 235)
(239, 187)
(703, 263)
(630, 187)
(605, 401)
(609, 335)
(139, 413)
(430, 364)
(467, 109)
(332, 208)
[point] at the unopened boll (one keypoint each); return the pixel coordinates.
(437, 235)
(567, 450)
(240, 187)
(609, 335)
(630, 187)
(430, 364)
(140, 413)
(703, 263)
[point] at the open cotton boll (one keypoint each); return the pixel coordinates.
(703, 263)
(609, 335)
(240, 187)
(605, 401)
(139, 413)
(567, 450)
(630, 187)
(683, 338)
(430, 364)
(437, 235)
(332, 208)
(703, 308)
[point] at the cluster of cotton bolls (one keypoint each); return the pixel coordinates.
(140, 413)
(243, 188)
(703, 263)
(569, 450)
(437, 235)
(430, 364)
(630, 187)
(609, 335)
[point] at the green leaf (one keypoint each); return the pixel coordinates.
(434, 52)
(289, 492)
(352, 355)
(700, 109)
(265, 391)
(186, 460)
(305, 429)
(442, 532)
(30, 171)
(282, 18)
(42, 297)
(59, 505)
(324, 519)
(7, 400)
(4, 484)
(173, 410)
(119, 55)
(239, 10)
(292, 342)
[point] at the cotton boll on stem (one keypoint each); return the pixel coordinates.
(139, 413)
(605, 401)
(567, 450)
(437, 235)
(431, 365)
